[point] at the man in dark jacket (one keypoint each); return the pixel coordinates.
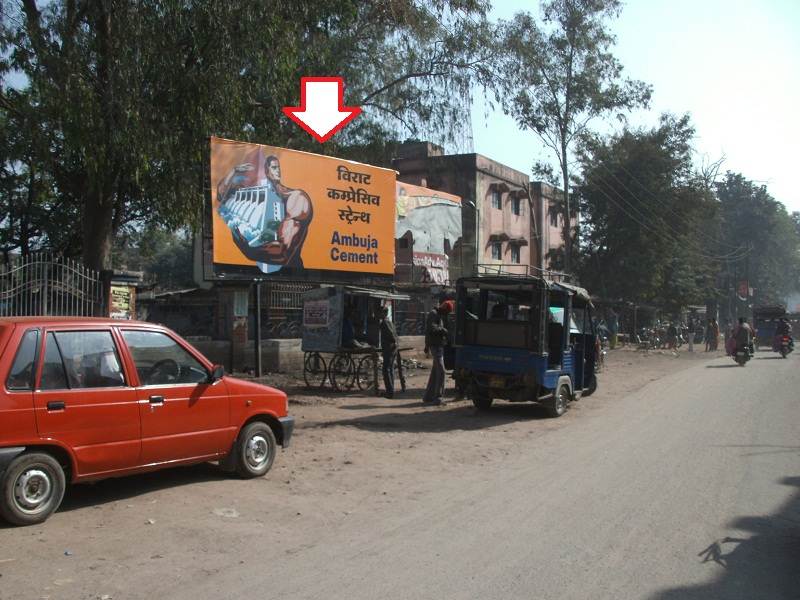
(743, 334)
(435, 341)
(388, 349)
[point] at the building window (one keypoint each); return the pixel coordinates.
(516, 206)
(553, 217)
(497, 201)
(515, 254)
(497, 251)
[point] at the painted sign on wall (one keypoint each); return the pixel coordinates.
(431, 221)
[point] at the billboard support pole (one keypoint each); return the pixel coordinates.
(258, 329)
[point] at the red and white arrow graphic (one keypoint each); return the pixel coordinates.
(322, 112)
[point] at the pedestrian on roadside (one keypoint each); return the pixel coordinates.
(388, 350)
(690, 334)
(613, 328)
(709, 335)
(435, 341)
(715, 334)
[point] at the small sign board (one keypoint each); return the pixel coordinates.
(122, 301)
(316, 313)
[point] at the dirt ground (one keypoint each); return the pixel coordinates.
(350, 454)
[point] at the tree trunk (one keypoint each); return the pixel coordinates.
(567, 221)
(97, 232)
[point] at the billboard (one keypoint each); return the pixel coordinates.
(290, 214)
(431, 222)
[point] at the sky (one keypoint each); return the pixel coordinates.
(733, 65)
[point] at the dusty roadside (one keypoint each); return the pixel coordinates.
(352, 456)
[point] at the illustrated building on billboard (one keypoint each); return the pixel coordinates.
(428, 234)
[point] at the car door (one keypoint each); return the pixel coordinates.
(84, 400)
(183, 416)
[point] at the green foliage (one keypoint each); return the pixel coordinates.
(645, 217)
(750, 216)
(121, 95)
(560, 74)
(163, 256)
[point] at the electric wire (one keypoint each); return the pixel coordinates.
(655, 216)
(668, 208)
(641, 219)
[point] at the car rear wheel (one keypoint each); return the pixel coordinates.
(32, 488)
(255, 450)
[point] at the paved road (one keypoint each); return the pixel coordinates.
(687, 489)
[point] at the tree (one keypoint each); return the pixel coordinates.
(646, 217)
(164, 256)
(125, 108)
(561, 75)
(751, 216)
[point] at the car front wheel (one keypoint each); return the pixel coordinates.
(32, 488)
(255, 450)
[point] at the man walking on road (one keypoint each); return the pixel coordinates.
(435, 340)
(388, 349)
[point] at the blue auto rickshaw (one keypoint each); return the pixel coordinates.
(524, 339)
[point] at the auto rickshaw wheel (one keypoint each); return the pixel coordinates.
(557, 405)
(482, 400)
(315, 371)
(591, 389)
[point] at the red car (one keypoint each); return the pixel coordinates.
(86, 398)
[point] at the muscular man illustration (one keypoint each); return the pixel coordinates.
(269, 221)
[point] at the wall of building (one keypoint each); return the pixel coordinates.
(550, 220)
(474, 177)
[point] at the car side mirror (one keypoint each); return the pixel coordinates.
(217, 373)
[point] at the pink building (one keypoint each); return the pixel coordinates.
(508, 222)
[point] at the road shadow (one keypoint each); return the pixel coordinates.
(763, 564)
(82, 495)
(771, 448)
(734, 365)
(770, 358)
(439, 419)
(413, 404)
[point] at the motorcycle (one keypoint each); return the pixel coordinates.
(784, 344)
(742, 355)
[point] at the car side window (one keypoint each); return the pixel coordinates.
(54, 377)
(22, 371)
(90, 359)
(160, 360)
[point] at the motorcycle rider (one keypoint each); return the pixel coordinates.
(743, 334)
(783, 328)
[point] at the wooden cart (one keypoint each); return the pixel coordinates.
(330, 359)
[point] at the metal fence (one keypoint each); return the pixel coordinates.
(43, 285)
(282, 313)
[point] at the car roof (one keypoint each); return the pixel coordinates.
(56, 320)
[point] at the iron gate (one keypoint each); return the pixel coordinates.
(44, 285)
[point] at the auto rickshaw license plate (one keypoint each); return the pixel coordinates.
(497, 382)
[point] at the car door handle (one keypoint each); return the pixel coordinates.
(56, 405)
(156, 399)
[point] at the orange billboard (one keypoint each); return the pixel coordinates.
(285, 212)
